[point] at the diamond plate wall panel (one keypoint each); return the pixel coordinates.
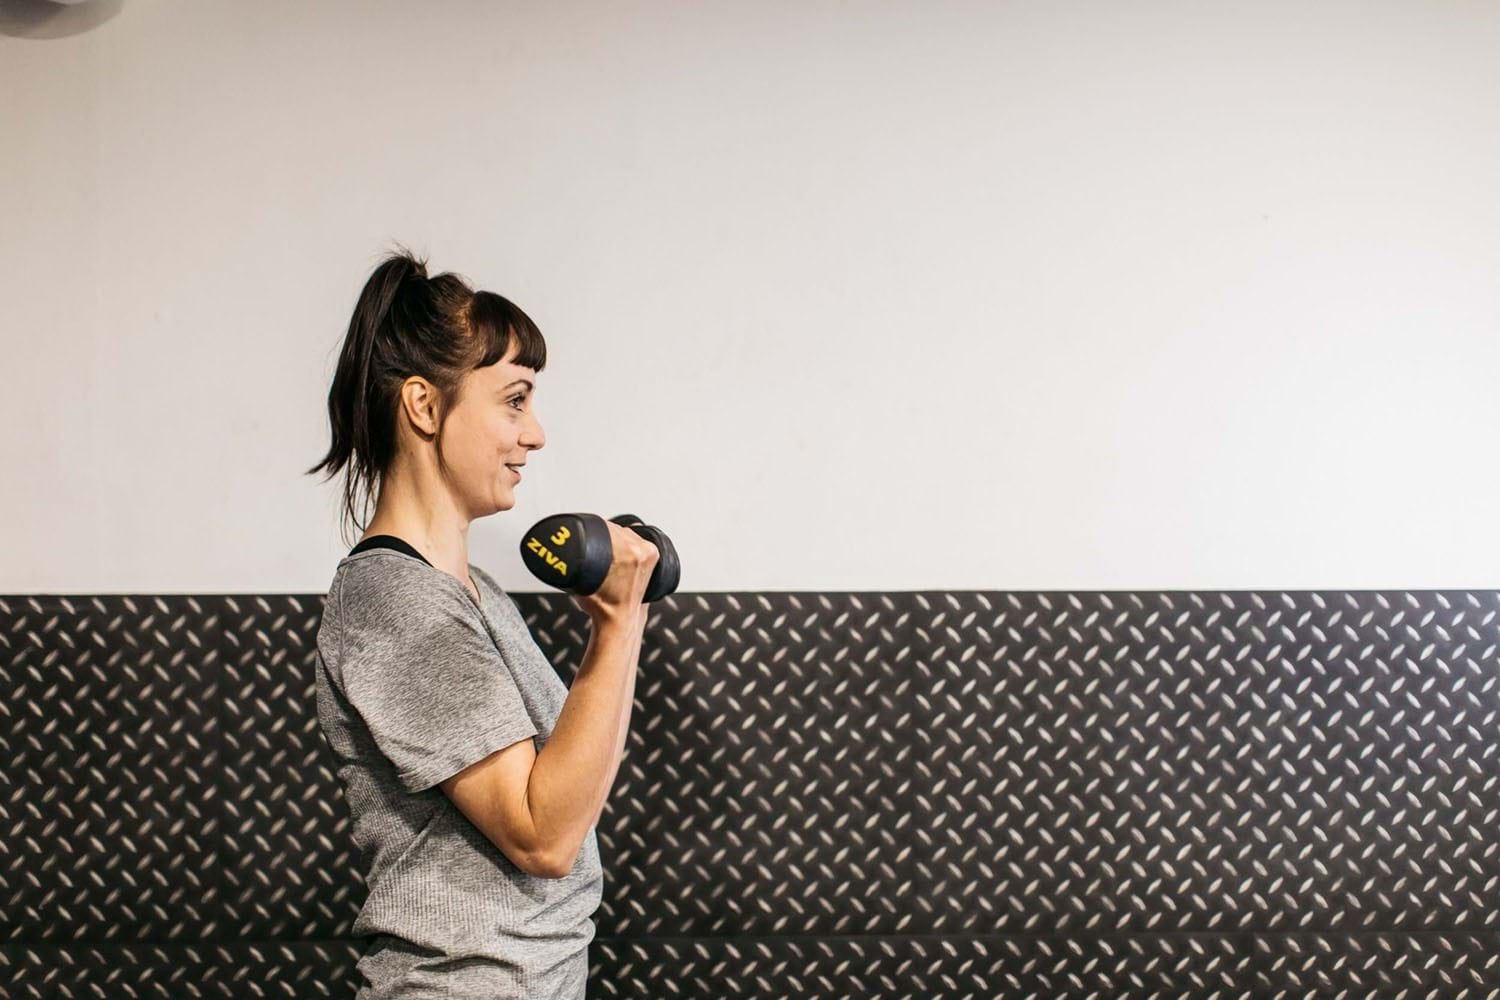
(110, 801)
(858, 794)
(1453, 966)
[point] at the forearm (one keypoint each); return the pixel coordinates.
(570, 779)
(625, 709)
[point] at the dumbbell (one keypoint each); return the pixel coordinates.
(573, 552)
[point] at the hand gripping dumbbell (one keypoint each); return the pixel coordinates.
(572, 552)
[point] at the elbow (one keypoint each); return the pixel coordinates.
(554, 864)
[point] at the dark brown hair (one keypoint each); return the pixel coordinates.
(406, 324)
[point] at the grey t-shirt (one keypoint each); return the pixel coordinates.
(415, 682)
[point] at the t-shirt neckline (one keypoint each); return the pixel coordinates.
(389, 542)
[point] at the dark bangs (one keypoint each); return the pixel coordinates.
(493, 320)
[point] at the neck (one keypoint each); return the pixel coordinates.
(420, 512)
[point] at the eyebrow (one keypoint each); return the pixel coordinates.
(519, 381)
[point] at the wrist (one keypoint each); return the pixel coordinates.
(612, 617)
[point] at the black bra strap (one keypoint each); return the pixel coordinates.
(386, 542)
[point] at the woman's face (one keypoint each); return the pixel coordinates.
(493, 427)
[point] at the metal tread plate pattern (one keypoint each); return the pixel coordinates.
(1241, 793)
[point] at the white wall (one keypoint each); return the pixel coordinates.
(843, 295)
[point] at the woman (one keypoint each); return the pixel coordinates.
(474, 776)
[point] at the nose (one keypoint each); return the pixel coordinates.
(537, 438)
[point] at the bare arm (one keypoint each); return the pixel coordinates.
(625, 709)
(573, 773)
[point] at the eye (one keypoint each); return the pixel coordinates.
(517, 399)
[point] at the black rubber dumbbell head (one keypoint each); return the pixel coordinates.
(571, 552)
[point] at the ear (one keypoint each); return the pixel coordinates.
(419, 401)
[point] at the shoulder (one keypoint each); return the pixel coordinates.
(379, 570)
(489, 581)
(502, 596)
(382, 585)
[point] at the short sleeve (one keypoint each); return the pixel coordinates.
(424, 675)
